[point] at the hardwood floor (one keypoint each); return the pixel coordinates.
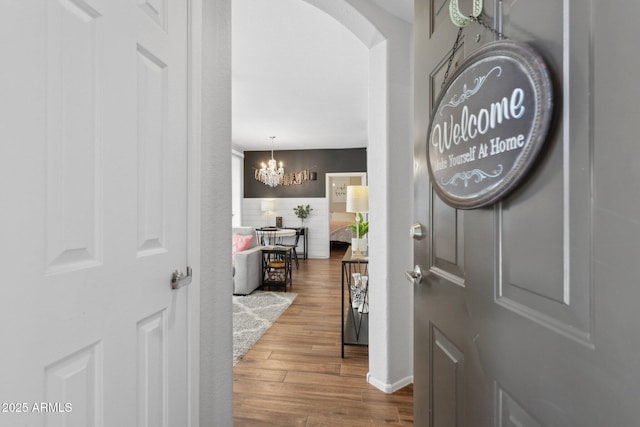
(294, 375)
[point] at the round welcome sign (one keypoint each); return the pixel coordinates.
(489, 124)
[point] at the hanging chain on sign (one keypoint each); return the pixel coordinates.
(462, 21)
(495, 32)
(456, 44)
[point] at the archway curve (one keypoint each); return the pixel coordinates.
(352, 19)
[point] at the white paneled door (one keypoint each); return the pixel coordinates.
(93, 142)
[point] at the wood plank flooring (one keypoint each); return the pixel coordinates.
(294, 375)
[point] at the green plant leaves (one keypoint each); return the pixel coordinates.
(303, 211)
(361, 227)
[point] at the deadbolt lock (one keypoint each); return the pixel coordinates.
(417, 231)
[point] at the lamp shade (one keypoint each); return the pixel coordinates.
(357, 198)
(267, 205)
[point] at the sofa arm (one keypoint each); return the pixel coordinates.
(248, 271)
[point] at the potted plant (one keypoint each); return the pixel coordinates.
(360, 230)
(302, 212)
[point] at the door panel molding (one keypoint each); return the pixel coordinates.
(447, 381)
(152, 111)
(77, 380)
(436, 76)
(152, 370)
(446, 239)
(509, 413)
(156, 10)
(564, 303)
(74, 162)
(439, 14)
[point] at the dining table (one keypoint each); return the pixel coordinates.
(269, 236)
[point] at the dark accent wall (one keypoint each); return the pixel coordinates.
(320, 161)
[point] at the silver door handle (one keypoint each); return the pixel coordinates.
(179, 279)
(415, 276)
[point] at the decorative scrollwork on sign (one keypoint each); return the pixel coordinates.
(479, 175)
(468, 93)
(462, 20)
(488, 124)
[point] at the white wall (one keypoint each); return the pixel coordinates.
(390, 166)
(216, 373)
(318, 221)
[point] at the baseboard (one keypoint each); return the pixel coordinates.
(389, 388)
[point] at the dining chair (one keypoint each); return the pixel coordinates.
(267, 237)
(294, 246)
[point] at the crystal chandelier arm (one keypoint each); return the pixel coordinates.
(271, 175)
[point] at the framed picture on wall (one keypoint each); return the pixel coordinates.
(339, 190)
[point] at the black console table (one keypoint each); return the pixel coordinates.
(355, 308)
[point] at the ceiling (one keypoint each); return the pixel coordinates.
(299, 75)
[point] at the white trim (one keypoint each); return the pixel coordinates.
(389, 154)
(389, 388)
(194, 178)
(327, 183)
(237, 188)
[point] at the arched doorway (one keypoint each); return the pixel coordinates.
(389, 155)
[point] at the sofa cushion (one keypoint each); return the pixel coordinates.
(241, 242)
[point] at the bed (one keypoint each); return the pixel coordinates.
(338, 226)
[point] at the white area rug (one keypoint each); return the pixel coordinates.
(253, 315)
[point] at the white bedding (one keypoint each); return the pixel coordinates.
(339, 221)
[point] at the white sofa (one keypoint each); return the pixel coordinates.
(247, 265)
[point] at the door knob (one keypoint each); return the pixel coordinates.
(415, 275)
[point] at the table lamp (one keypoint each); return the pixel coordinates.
(358, 203)
(267, 205)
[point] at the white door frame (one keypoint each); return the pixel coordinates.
(194, 177)
(328, 178)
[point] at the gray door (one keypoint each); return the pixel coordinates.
(527, 313)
